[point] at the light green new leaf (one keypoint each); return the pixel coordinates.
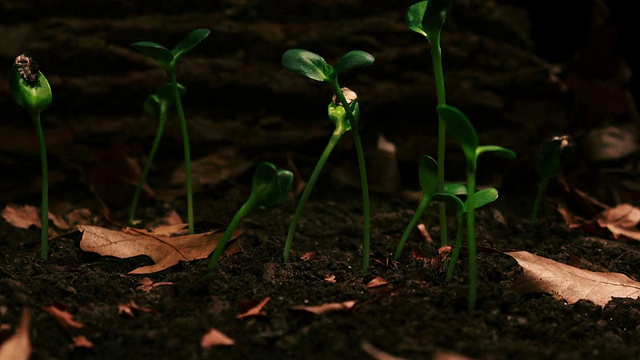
(414, 17)
(460, 129)
(509, 154)
(308, 64)
(354, 59)
(189, 42)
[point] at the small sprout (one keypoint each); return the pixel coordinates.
(316, 68)
(461, 130)
(31, 90)
(549, 164)
(167, 59)
(156, 106)
(427, 19)
(270, 188)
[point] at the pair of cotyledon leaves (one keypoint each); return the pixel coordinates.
(270, 186)
(427, 17)
(167, 58)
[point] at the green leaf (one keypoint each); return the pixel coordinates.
(34, 97)
(353, 60)
(308, 64)
(504, 152)
(270, 186)
(434, 16)
(189, 42)
(155, 51)
(484, 197)
(414, 17)
(450, 200)
(460, 129)
(428, 175)
(455, 189)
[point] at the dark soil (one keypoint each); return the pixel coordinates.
(519, 81)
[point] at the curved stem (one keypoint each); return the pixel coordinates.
(363, 176)
(242, 212)
(147, 165)
(471, 234)
(44, 216)
(542, 187)
(335, 138)
(187, 149)
(424, 202)
(456, 249)
(436, 56)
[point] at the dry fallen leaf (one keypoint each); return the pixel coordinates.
(308, 256)
(377, 282)
(147, 284)
(321, 309)
(376, 353)
(215, 338)
(130, 309)
(571, 283)
(254, 310)
(621, 221)
(165, 250)
(330, 279)
(18, 346)
(81, 341)
(21, 217)
(64, 318)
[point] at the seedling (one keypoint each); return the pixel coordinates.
(316, 68)
(270, 188)
(168, 58)
(156, 106)
(462, 131)
(427, 18)
(548, 164)
(337, 115)
(30, 89)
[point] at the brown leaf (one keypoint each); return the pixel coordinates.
(255, 310)
(215, 338)
(18, 346)
(81, 341)
(130, 309)
(376, 353)
(63, 318)
(377, 282)
(330, 279)
(147, 284)
(308, 256)
(621, 221)
(21, 217)
(321, 309)
(165, 250)
(573, 284)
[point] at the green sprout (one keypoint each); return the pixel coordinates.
(270, 188)
(462, 131)
(156, 106)
(168, 58)
(427, 18)
(316, 68)
(31, 90)
(548, 164)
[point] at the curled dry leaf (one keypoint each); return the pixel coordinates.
(621, 221)
(321, 309)
(18, 346)
(377, 282)
(215, 338)
(571, 283)
(164, 249)
(255, 310)
(147, 284)
(64, 318)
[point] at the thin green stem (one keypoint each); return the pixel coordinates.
(471, 235)
(424, 202)
(147, 166)
(456, 249)
(542, 187)
(436, 56)
(187, 149)
(242, 212)
(44, 215)
(335, 138)
(363, 176)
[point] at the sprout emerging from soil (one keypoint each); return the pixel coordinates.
(30, 89)
(462, 131)
(270, 188)
(316, 68)
(168, 58)
(427, 19)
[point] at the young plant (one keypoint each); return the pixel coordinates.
(270, 188)
(316, 68)
(337, 115)
(427, 18)
(548, 164)
(30, 89)
(168, 58)
(462, 131)
(156, 106)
